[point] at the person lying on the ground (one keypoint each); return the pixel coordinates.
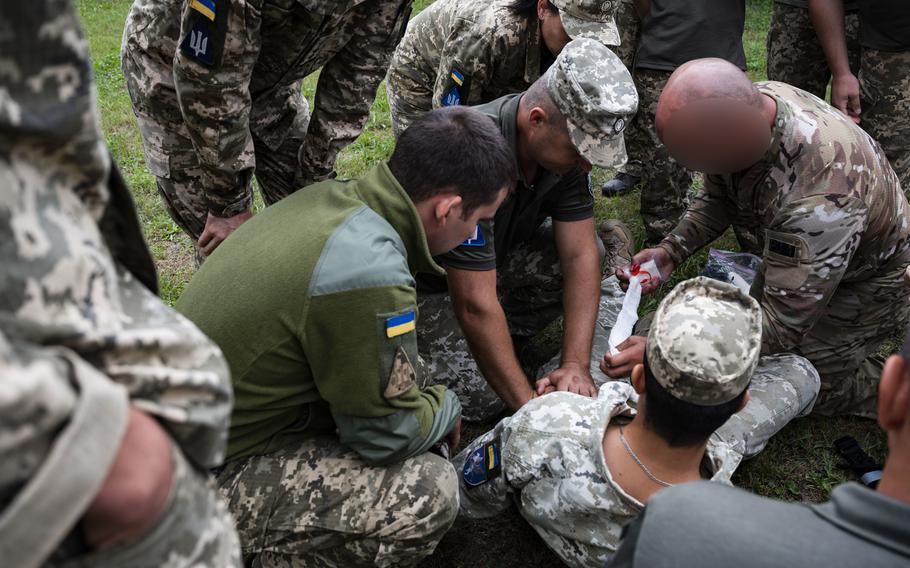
(580, 468)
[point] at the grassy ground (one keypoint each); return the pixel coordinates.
(798, 464)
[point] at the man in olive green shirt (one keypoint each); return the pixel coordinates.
(314, 303)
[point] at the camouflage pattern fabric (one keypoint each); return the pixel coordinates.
(629, 31)
(322, 505)
(496, 51)
(206, 128)
(195, 530)
(837, 241)
(885, 101)
(81, 339)
(795, 55)
(553, 464)
(704, 341)
(665, 184)
(595, 94)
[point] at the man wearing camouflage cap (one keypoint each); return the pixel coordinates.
(470, 52)
(702, 402)
(113, 406)
(216, 89)
(520, 271)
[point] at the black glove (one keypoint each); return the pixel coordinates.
(858, 461)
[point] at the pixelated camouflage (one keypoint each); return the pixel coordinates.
(495, 49)
(885, 101)
(594, 92)
(206, 129)
(81, 339)
(795, 55)
(837, 242)
(629, 25)
(704, 341)
(590, 19)
(320, 504)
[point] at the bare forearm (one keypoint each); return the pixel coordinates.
(487, 333)
(580, 301)
(828, 20)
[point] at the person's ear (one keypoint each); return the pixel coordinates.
(744, 402)
(446, 204)
(894, 394)
(542, 9)
(537, 116)
(638, 378)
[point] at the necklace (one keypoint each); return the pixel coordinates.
(644, 468)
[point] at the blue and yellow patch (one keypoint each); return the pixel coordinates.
(397, 325)
(457, 88)
(204, 7)
(457, 77)
(482, 465)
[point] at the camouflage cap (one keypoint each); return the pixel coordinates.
(592, 19)
(594, 92)
(705, 341)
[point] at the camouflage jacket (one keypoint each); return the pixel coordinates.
(827, 202)
(552, 463)
(236, 85)
(494, 51)
(80, 338)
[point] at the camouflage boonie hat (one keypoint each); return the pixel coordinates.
(592, 19)
(705, 341)
(594, 92)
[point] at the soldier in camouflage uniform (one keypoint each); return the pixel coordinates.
(215, 85)
(879, 100)
(113, 405)
(538, 257)
(795, 55)
(470, 52)
(329, 458)
(835, 222)
(573, 459)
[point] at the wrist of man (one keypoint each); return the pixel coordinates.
(225, 210)
(677, 253)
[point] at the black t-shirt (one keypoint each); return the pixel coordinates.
(849, 5)
(564, 198)
(885, 25)
(677, 31)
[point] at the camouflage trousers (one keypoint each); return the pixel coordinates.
(150, 41)
(665, 184)
(529, 284)
(795, 55)
(884, 80)
(194, 530)
(842, 344)
(629, 25)
(321, 505)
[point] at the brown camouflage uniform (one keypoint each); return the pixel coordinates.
(884, 80)
(795, 55)
(82, 337)
(214, 108)
(837, 242)
(629, 30)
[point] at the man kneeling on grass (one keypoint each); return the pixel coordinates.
(580, 468)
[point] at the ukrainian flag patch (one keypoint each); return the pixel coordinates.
(204, 7)
(397, 325)
(457, 77)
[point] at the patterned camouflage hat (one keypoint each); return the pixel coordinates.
(705, 341)
(595, 93)
(592, 19)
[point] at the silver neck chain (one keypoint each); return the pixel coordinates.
(644, 468)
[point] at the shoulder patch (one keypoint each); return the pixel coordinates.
(397, 325)
(476, 240)
(402, 376)
(207, 29)
(482, 465)
(457, 88)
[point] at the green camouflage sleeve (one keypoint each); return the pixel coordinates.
(807, 250)
(467, 54)
(347, 84)
(706, 219)
(218, 49)
(362, 348)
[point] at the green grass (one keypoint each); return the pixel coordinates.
(797, 465)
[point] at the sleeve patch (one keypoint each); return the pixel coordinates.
(208, 27)
(457, 89)
(476, 240)
(400, 324)
(402, 377)
(482, 465)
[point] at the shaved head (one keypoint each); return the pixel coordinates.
(712, 118)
